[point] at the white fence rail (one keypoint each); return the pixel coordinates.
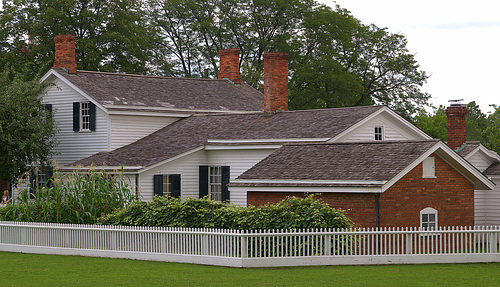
(256, 248)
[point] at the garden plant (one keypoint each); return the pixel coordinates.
(78, 198)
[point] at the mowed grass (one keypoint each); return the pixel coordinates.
(52, 270)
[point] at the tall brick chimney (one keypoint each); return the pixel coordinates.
(456, 114)
(65, 53)
(230, 65)
(275, 82)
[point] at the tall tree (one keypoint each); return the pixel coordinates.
(111, 35)
(27, 129)
(335, 60)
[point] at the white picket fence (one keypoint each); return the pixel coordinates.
(256, 248)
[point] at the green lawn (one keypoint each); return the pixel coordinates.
(50, 270)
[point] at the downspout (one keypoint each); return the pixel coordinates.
(137, 184)
(377, 210)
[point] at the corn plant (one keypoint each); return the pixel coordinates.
(72, 198)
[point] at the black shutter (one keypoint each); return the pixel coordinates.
(224, 182)
(48, 107)
(203, 180)
(92, 116)
(76, 116)
(158, 184)
(176, 185)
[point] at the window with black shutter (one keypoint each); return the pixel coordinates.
(84, 116)
(213, 182)
(168, 185)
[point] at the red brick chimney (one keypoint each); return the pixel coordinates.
(230, 65)
(65, 53)
(275, 82)
(456, 114)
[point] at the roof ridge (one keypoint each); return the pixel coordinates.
(144, 76)
(364, 142)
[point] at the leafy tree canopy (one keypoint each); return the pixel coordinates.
(111, 36)
(479, 126)
(335, 60)
(26, 127)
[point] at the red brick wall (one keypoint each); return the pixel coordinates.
(65, 53)
(360, 208)
(449, 193)
(229, 65)
(456, 126)
(275, 82)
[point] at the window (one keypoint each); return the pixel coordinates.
(168, 185)
(428, 218)
(213, 182)
(39, 179)
(429, 168)
(379, 133)
(83, 116)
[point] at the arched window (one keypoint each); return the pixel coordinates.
(428, 218)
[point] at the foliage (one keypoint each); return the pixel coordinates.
(78, 198)
(433, 123)
(26, 128)
(335, 60)
(479, 126)
(111, 35)
(290, 213)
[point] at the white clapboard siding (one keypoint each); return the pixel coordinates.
(487, 205)
(393, 130)
(188, 167)
(480, 161)
(126, 129)
(239, 162)
(72, 145)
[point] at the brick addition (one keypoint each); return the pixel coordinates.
(451, 194)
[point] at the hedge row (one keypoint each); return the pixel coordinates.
(291, 213)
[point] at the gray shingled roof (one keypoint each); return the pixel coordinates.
(469, 147)
(192, 132)
(493, 169)
(111, 89)
(369, 161)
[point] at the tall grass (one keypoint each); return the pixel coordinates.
(72, 198)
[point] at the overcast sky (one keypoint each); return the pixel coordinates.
(457, 42)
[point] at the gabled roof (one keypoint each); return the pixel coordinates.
(136, 92)
(354, 161)
(195, 131)
(369, 164)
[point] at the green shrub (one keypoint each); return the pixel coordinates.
(73, 198)
(290, 213)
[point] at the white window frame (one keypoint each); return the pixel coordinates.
(85, 116)
(167, 185)
(426, 222)
(378, 135)
(429, 167)
(215, 183)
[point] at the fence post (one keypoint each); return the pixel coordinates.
(244, 245)
(409, 243)
(493, 242)
(328, 244)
